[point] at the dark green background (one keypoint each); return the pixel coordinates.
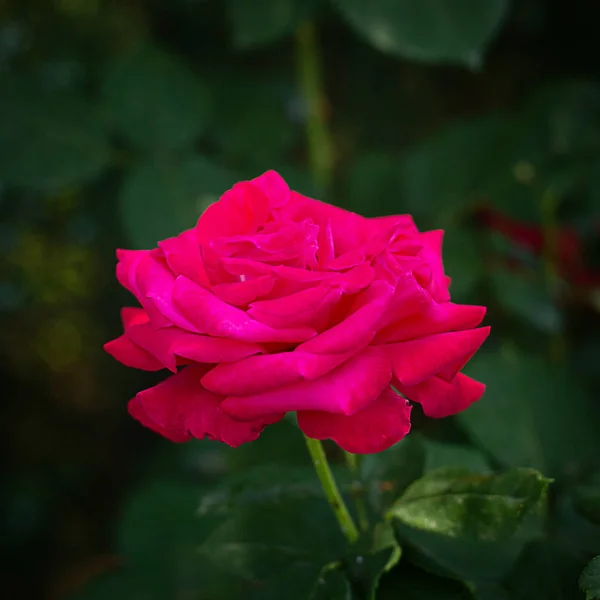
(121, 120)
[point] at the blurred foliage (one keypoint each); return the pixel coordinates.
(120, 121)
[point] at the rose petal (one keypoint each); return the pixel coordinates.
(432, 254)
(441, 398)
(214, 317)
(179, 408)
(170, 343)
(133, 316)
(373, 429)
(326, 251)
(273, 187)
(155, 282)
(417, 360)
(243, 292)
(127, 265)
(347, 389)
(436, 318)
(240, 210)
(257, 374)
(131, 355)
(307, 307)
(358, 328)
(182, 254)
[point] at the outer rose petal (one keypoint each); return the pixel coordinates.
(179, 408)
(131, 355)
(418, 360)
(347, 389)
(242, 293)
(215, 317)
(170, 343)
(441, 398)
(372, 429)
(257, 374)
(182, 254)
(435, 318)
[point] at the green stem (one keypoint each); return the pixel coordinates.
(320, 146)
(332, 493)
(357, 490)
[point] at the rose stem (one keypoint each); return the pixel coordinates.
(310, 81)
(352, 462)
(332, 493)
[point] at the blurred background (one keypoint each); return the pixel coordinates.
(121, 120)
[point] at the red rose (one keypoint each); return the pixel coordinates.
(275, 302)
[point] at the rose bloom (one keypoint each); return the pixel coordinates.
(277, 303)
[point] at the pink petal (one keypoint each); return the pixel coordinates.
(348, 260)
(373, 429)
(240, 210)
(308, 307)
(436, 318)
(417, 360)
(171, 343)
(273, 187)
(130, 354)
(326, 252)
(347, 389)
(243, 292)
(155, 282)
(358, 328)
(214, 317)
(180, 409)
(432, 253)
(257, 374)
(183, 257)
(349, 230)
(133, 316)
(128, 261)
(441, 398)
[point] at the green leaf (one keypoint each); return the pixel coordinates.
(271, 551)
(49, 141)
(586, 499)
(155, 101)
(375, 554)
(589, 581)
(437, 31)
(457, 503)
(466, 559)
(259, 23)
(387, 474)
(161, 200)
(532, 414)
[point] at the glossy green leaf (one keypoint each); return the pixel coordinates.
(532, 414)
(155, 101)
(264, 21)
(437, 31)
(49, 141)
(590, 579)
(163, 199)
(458, 503)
